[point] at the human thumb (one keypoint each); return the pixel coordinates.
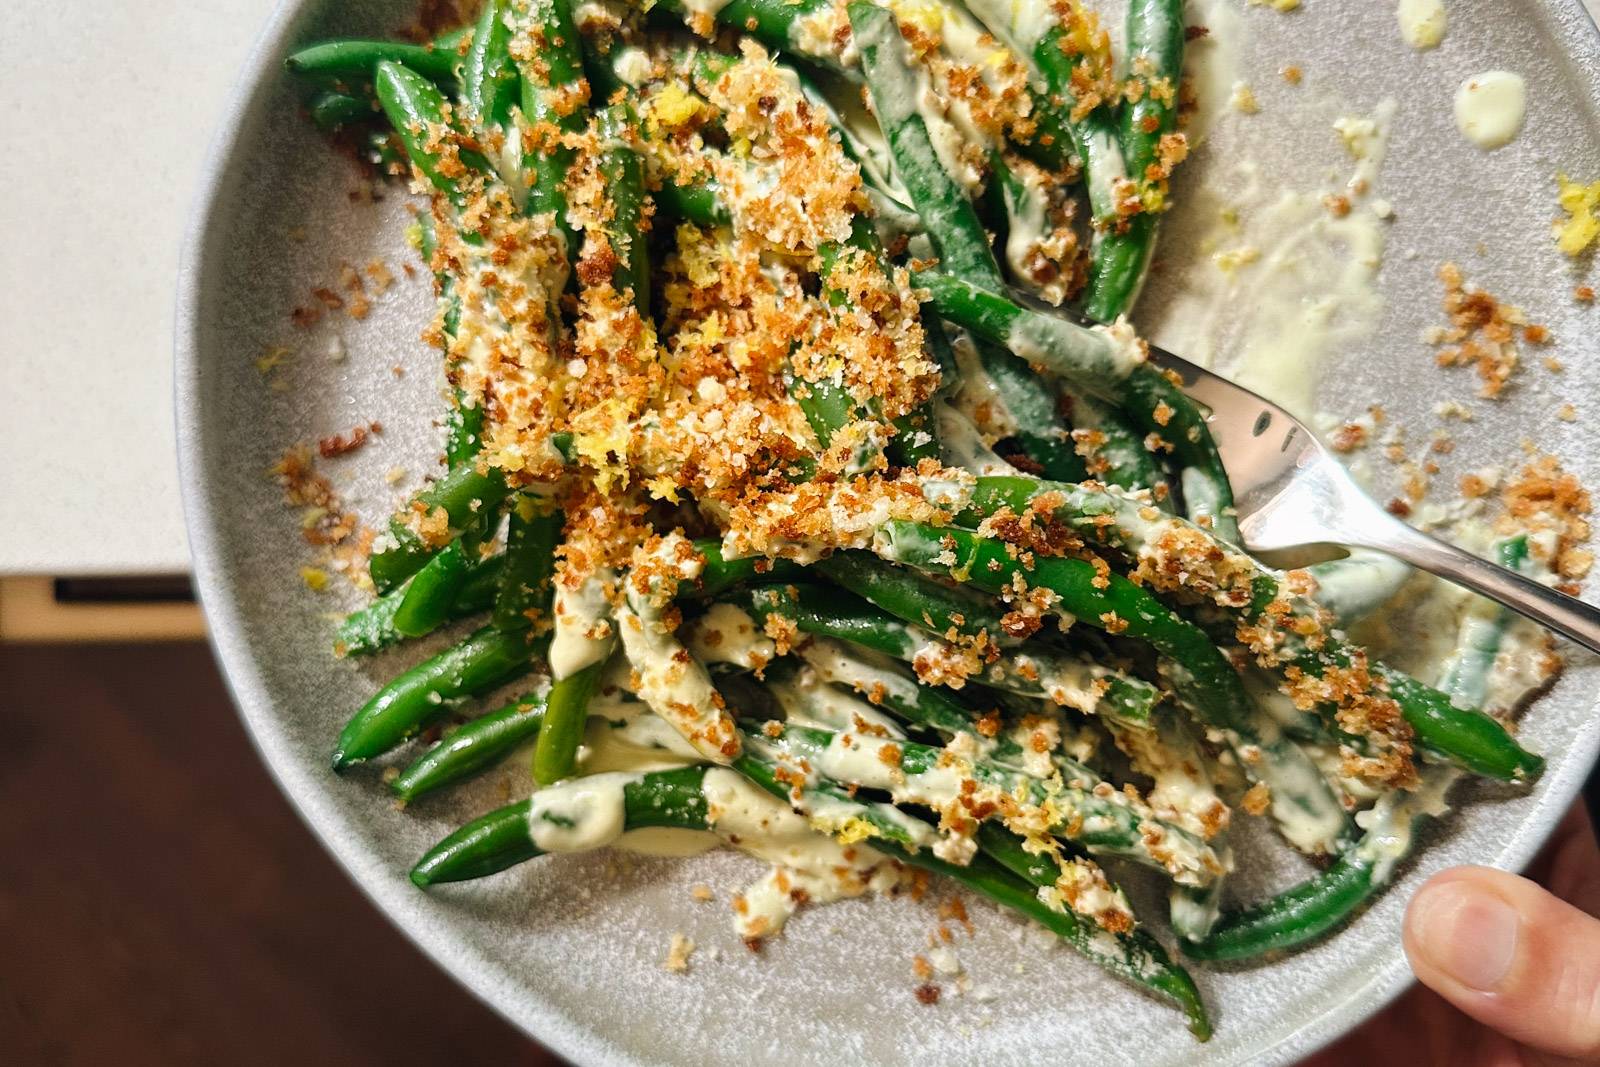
(1510, 955)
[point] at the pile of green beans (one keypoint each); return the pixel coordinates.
(993, 642)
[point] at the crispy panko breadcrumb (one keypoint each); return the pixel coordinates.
(1483, 333)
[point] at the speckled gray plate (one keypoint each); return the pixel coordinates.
(570, 949)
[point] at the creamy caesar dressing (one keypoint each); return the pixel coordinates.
(1490, 106)
(633, 66)
(1355, 586)
(727, 634)
(1084, 890)
(1431, 623)
(1524, 665)
(863, 139)
(978, 399)
(583, 633)
(669, 842)
(675, 684)
(1021, 27)
(963, 447)
(1027, 224)
(807, 700)
(838, 664)
(1390, 824)
(1070, 683)
(1181, 791)
(1422, 23)
(1098, 353)
(1211, 65)
(580, 814)
(1302, 807)
(627, 736)
(948, 116)
(807, 865)
(1292, 275)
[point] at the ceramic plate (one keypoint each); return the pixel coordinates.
(570, 949)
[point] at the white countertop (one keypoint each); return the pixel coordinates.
(89, 482)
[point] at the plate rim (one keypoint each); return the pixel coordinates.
(537, 1017)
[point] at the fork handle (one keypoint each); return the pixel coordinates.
(1568, 616)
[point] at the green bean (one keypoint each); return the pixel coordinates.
(432, 591)
(1167, 754)
(463, 422)
(772, 22)
(1137, 956)
(420, 696)
(487, 845)
(779, 24)
(372, 629)
(1114, 449)
(503, 839)
(1132, 955)
(1155, 36)
(1064, 679)
(464, 494)
(552, 84)
(331, 109)
(523, 596)
(699, 202)
(474, 747)
(918, 599)
(1302, 805)
(1470, 739)
(488, 79)
(916, 434)
(623, 173)
(566, 711)
(947, 215)
(1090, 359)
(887, 684)
(827, 405)
(1104, 822)
(1082, 591)
(884, 683)
(1312, 908)
(719, 574)
(956, 232)
(1118, 455)
(1464, 678)
(1094, 362)
(840, 810)
(1357, 585)
(622, 170)
(826, 402)
(1041, 432)
(357, 59)
(418, 112)
(1055, 56)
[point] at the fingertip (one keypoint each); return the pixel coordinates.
(1509, 954)
(1460, 929)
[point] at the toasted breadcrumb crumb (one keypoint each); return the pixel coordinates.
(678, 953)
(1482, 334)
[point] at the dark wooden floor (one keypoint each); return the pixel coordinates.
(161, 903)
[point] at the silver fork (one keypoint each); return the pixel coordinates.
(1291, 493)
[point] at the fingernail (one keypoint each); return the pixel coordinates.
(1469, 934)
